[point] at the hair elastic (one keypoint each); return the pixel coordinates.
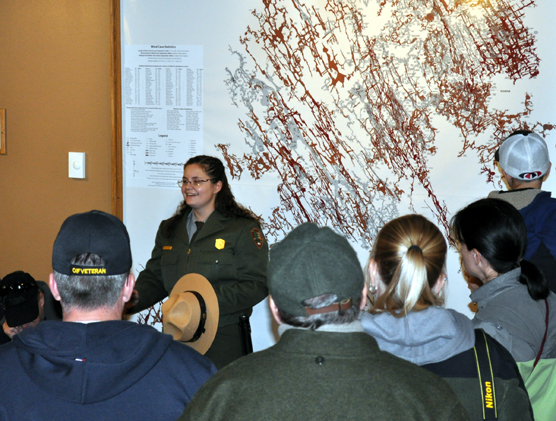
(413, 246)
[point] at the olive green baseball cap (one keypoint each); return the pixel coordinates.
(311, 261)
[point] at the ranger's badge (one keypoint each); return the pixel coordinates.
(257, 237)
(219, 243)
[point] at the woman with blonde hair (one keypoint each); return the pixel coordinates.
(406, 276)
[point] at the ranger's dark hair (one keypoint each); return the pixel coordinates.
(225, 201)
(497, 230)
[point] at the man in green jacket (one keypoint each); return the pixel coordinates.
(324, 365)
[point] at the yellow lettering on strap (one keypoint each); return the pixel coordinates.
(91, 271)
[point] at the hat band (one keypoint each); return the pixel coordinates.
(88, 270)
(340, 307)
(201, 328)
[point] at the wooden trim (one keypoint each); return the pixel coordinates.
(2, 131)
(116, 108)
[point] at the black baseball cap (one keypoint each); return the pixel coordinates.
(94, 232)
(19, 294)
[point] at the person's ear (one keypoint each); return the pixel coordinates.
(512, 182)
(479, 260)
(41, 299)
(372, 272)
(477, 257)
(53, 287)
(439, 284)
(274, 310)
(377, 286)
(544, 177)
(128, 287)
(217, 186)
(364, 294)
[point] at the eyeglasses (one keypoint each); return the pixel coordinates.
(14, 288)
(195, 182)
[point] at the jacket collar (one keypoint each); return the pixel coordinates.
(317, 342)
(497, 286)
(422, 337)
(213, 224)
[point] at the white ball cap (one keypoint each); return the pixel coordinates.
(524, 156)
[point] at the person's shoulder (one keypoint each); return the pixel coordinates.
(184, 350)
(543, 198)
(249, 376)
(249, 370)
(153, 343)
(501, 359)
(190, 357)
(495, 194)
(422, 383)
(395, 366)
(551, 298)
(233, 219)
(542, 207)
(165, 222)
(243, 225)
(6, 349)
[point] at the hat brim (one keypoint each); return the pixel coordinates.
(201, 285)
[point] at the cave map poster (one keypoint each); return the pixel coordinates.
(351, 113)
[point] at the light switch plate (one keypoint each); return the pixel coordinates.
(76, 165)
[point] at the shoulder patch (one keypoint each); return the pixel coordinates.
(258, 237)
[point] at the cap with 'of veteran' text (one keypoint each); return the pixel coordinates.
(94, 232)
(311, 262)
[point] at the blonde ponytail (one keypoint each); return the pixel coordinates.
(410, 253)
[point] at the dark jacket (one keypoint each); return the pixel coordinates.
(460, 372)
(114, 370)
(237, 272)
(442, 340)
(319, 375)
(539, 212)
(507, 312)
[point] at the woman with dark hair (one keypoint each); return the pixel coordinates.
(515, 305)
(406, 276)
(212, 235)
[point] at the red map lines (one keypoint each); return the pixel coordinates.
(341, 100)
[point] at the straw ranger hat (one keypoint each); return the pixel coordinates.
(190, 314)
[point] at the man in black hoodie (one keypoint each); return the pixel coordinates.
(94, 365)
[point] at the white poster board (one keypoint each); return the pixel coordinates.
(347, 114)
